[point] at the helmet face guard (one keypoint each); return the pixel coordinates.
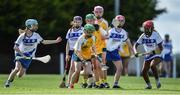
(98, 11)
(88, 32)
(89, 29)
(121, 20)
(90, 18)
(77, 21)
(148, 27)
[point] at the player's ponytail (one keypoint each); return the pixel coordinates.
(21, 31)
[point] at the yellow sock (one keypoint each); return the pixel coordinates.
(105, 81)
(102, 80)
(97, 83)
(85, 81)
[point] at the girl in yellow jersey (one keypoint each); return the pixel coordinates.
(83, 51)
(98, 12)
(99, 34)
(125, 55)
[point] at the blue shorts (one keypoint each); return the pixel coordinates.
(77, 59)
(25, 62)
(70, 53)
(167, 57)
(113, 55)
(152, 56)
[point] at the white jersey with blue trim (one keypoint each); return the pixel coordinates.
(116, 38)
(167, 47)
(150, 43)
(72, 36)
(28, 44)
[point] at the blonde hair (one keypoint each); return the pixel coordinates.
(21, 31)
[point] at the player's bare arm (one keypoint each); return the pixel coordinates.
(59, 39)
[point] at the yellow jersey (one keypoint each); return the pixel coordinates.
(104, 24)
(124, 51)
(98, 41)
(84, 46)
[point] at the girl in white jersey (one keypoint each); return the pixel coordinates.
(25, 46)
(72, 36)
(152, 43)
(117, 36)
(166, 55)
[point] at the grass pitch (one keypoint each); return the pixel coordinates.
(48, 85)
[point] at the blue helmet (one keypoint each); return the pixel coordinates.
(30, 22)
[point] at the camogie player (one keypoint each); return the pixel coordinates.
(125, 54)
(83, 51)
(152, 42)
(100, 35)
(167, 55)
(117, 36)
(72, 36)
(25, 46)
(98, 12)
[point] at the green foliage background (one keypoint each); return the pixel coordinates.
(54, 17)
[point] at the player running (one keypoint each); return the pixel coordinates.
(72, 36)
(98, 12)
(117, 36)
(152, 42)
(83, 51)
(25, 46)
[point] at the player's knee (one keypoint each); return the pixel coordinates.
(16, 69)
(119, 70)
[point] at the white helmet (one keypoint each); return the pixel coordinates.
(121, 19)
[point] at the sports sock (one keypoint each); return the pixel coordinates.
(116, 83)
(149, 84)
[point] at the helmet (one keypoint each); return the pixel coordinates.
(166, 36)
(121, 19)
(90, 16)
(77, 21)
(30, 22)
(148, 27)
(98, 8)
(77, 18)
(98, 11)
(89, 28)
(148, 24)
